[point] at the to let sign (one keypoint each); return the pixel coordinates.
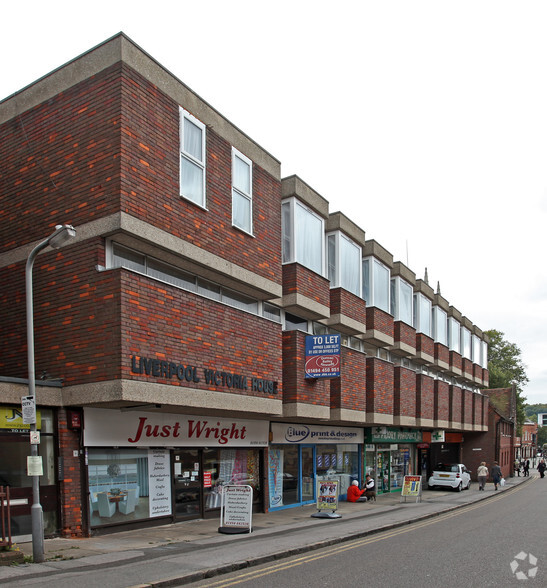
(323, 356)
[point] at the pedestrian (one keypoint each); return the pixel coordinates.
(541, 468)
(517, 467)
(482, 474)
(496, 475)
(370, 487)
(527, 467)
(355, 494)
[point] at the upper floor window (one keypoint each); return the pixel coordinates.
(344, 263)
(242, 191)
(303, 236)
(376, 284)
(476, 350)
(484, 354)
(440, 327)
(454, 335)
(401, 300)
(192, 158)
(422, 314)
(466, 343)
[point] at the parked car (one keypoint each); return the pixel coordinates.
(450, 475)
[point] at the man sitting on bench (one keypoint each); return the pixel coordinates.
(370, 488)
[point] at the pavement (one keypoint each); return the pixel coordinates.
(181, 553)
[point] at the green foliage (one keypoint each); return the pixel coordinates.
(506, 368)
(532, 411)
(542, 436)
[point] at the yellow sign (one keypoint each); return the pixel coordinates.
(412, 486)
(12, 419)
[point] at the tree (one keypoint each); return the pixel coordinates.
(506, 368)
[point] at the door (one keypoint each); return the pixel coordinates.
(308, 474)
(187, 483)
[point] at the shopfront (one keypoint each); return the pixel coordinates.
(300, 455)
(391, 454)
(155, 465)
(14, 449)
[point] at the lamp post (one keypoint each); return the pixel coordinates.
(59, 237)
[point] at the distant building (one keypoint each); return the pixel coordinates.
(542, 419)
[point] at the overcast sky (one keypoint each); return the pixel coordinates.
(425, 122)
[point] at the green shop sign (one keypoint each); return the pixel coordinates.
(392, 435)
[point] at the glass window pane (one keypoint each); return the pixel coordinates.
(239, 301)
(454, 335)
(193, 141)
(440, 326)
(405, 302)
(350, 260)
(286, 232)
(207, 289)
(331, 260)
(191, 180)
(295, 323)
(170, 274)
(380, 280)
(241, 213)
(423, 324)
(271, 312)
(308, 231)
(122, 257)
(466, 343)
(242, 175)
(366, 282)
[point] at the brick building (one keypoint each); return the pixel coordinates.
(184, 337)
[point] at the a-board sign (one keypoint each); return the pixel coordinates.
(236, 509)
(412, 486)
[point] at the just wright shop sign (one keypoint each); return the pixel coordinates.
(171, 370)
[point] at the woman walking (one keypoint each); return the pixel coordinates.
(482, 474)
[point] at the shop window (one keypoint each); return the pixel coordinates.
(302, 236)
(338, 462)
(119, 487)
(192, 158)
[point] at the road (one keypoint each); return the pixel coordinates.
(489, 543)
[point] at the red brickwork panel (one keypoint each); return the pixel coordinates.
(76, 316)
(301, 280)
(478, 407)
(455, 360)
(61, 161)
(150, 170)
(442, 353)
(296, 387)
(467, 367)
(404, 333)
(467, 407)
(485, 377)
(379, 320)
(346, 303)
(404, 392)
(424, 344)
(380, 378)
(455, 399)
(349, 390)
(72, 490)
(442, 401)
(169, 324)
(425, 396)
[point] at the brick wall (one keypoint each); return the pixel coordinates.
(380, 376)
(379, 320)
(404, 333)
(425, 397)
(442, 401)
(404, 392)
(346, 303)
(349, 390)
(297, 278)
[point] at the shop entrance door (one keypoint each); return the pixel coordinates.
(308, 474)
(188, 489)
(382, 482)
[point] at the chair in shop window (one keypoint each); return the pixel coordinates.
(106, 508)
(128, 505)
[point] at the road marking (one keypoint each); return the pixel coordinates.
(336, 549)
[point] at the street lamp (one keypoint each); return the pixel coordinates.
(59, 237)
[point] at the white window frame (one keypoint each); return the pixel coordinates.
(239, 192)
(440, 320)
(454, 337)
(466, 343)
(190, 157)
(397, 287)
(291, 254)
(419, 320)
(335, 276)
(373, 263)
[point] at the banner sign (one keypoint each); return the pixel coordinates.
(286, 433)
(392, 435)
(323, 356)
(108, 428)
(11, 419)
(159, 482)
(275, 476)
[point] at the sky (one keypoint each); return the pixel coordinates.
(424, 122)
